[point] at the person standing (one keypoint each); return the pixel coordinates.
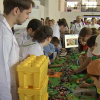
(42, 21)
(61, 25)
(94, 25)
(25, 34)
(76, 28)
(17, 12)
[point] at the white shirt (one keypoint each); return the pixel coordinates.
(77, 27)
(56, 31)
(94, 26)
(22, 37)
(31, 48)
(89, 26)
(9, 58)
(89, 54)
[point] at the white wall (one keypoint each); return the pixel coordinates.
(70, 16)
(42, 11)
(42, 2)
(62, 5)
(1, 6)
(46, 10)
(53, 11)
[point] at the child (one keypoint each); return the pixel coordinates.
(34, 46)
(91, 45)
(93, 70)
(81, 45)
(55, 41)
(24, 35)
(85, 34)
(49, 49)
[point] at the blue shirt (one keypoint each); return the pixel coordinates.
(49, 49)
(51, 56)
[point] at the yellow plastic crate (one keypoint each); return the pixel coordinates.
(46, 97)
(32, 72)
(34, 94)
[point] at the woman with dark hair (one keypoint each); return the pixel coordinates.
(59, 27)
(34, 46)
(67, 28)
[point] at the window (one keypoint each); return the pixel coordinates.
(72, 4)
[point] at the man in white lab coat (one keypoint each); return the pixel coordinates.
(76, 28)
(24, 35)
(17, 12)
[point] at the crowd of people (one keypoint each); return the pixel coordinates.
(89, 42)
(42, 38)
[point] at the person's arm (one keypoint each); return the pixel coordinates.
(84, 65)
(57, 65)
(86, 62)
(84, 78)
(86, 85)
(57, 57)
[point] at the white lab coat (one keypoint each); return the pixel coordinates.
(9, 58)
(31, 48)
(21, 36)
(56, 31)
(77, 27)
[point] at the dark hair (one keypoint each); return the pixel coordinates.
(55, 40)
(43, 33)
(9, 5)
(93, 18)
(65, 21)
(34, 24)
(42, 19)
(80, 47)
(91, 41)
(74, 21)
(85, 19)
(95, 31)
(85, 31)
(62, 22)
